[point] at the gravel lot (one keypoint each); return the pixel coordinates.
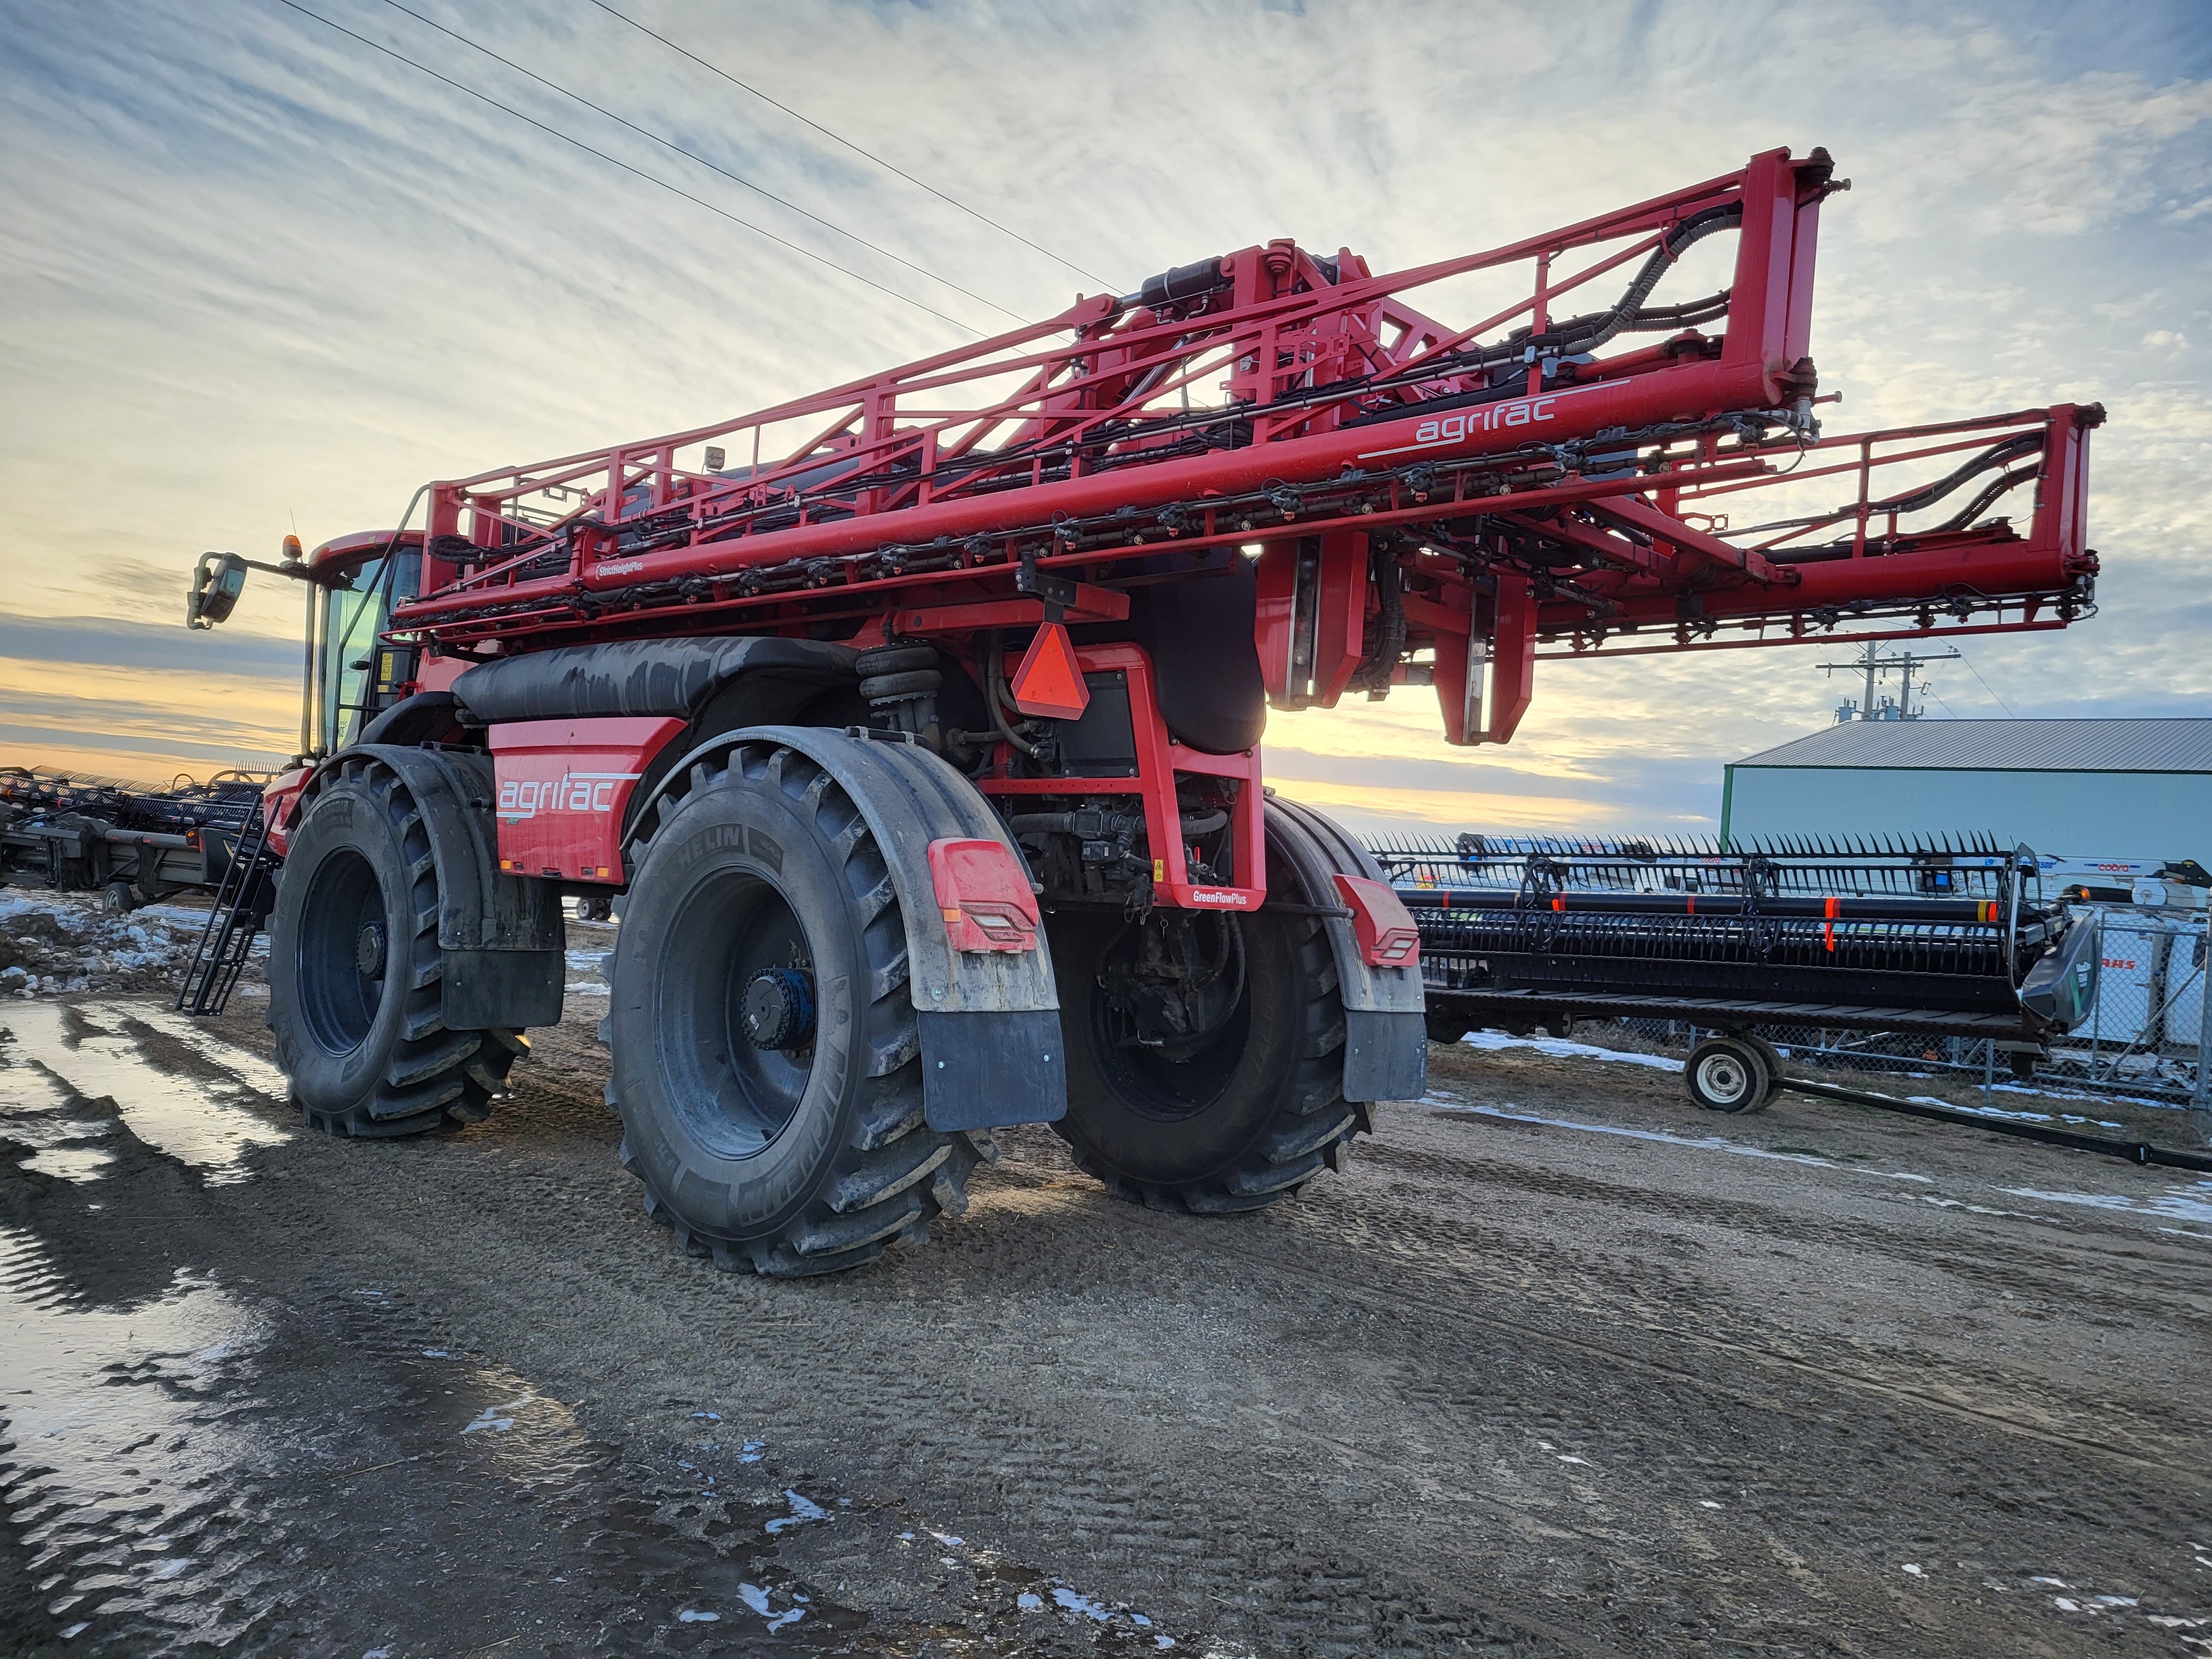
(1560, 1366)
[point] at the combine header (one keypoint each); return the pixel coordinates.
(132, 846)
(919, 720)
(1918, 938)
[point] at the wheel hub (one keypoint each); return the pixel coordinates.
(1174, 992)
(1724, 1078)
(778, 1009)
(368, 950)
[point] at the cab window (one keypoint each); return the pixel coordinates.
(360, 674)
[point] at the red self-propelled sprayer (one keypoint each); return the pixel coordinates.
(918, 721)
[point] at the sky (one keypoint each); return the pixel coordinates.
(256, 275)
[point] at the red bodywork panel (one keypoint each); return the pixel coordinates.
(563, 788)
(1160, 760)
(278, 803)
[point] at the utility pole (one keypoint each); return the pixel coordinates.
(1873, 665)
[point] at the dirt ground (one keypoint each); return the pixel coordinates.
(1560, 1365)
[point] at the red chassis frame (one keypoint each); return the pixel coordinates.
(1160, 761)
(1460, 504)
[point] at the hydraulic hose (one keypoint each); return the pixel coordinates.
(1593, 329)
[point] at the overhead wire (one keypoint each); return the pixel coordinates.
(636, 172)
(1108, 286)
(1986, 686)
(693, 156)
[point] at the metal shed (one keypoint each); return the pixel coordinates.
(2075, 788)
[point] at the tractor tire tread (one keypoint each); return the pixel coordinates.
(1317, 1122)
(435, 1079)
(895, 1174)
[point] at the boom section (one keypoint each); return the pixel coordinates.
(1199, 407)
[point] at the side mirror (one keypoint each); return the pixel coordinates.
(217, 584)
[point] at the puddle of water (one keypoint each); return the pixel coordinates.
(37, 1112)
(255, 1073)
(194, 1471)
(209, 1123)
(115, 1431)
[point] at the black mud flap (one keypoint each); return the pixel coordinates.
(1385, 1056)
(488, 988)
(990, 1069)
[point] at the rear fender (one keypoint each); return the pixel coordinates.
(989, 1020)
(1386, 1047)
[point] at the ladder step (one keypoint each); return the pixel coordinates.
(233, 922)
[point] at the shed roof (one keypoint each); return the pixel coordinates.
(2093, 746)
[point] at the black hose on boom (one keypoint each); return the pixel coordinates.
(1594, 329)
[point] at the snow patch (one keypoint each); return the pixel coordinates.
(803, 1509)
(1701, 1143)
(1565, 1048)
(1072, 1602)
(2177, 1204)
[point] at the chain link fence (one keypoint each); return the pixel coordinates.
(2142, 1043)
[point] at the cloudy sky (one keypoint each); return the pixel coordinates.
(255, 273)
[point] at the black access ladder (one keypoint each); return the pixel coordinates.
(242, 901)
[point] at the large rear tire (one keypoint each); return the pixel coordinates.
(1232, 1118)
(767, 1062)
(355, 974)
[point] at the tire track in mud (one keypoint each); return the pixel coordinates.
(1047, 1452)
(1338, 1278)
(2179, 1293)
(1233, 1423)
(1793, 1483)
(1373, 1225)
(2163, 1282)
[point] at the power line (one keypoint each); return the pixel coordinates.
(634, 173)
(1108, 286)
(691, 155)
(1986, 686)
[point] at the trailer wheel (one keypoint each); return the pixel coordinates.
(767, 1062)
(1772, 1056)
(1727, 1074)
(116, 899)
(355, 992)
(1240, 1110)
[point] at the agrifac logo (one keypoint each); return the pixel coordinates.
(1521, 412)
(1473, 422)
(572, 792)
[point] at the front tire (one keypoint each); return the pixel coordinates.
(356, 976)
(1231, 1119)
(767, 1060)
